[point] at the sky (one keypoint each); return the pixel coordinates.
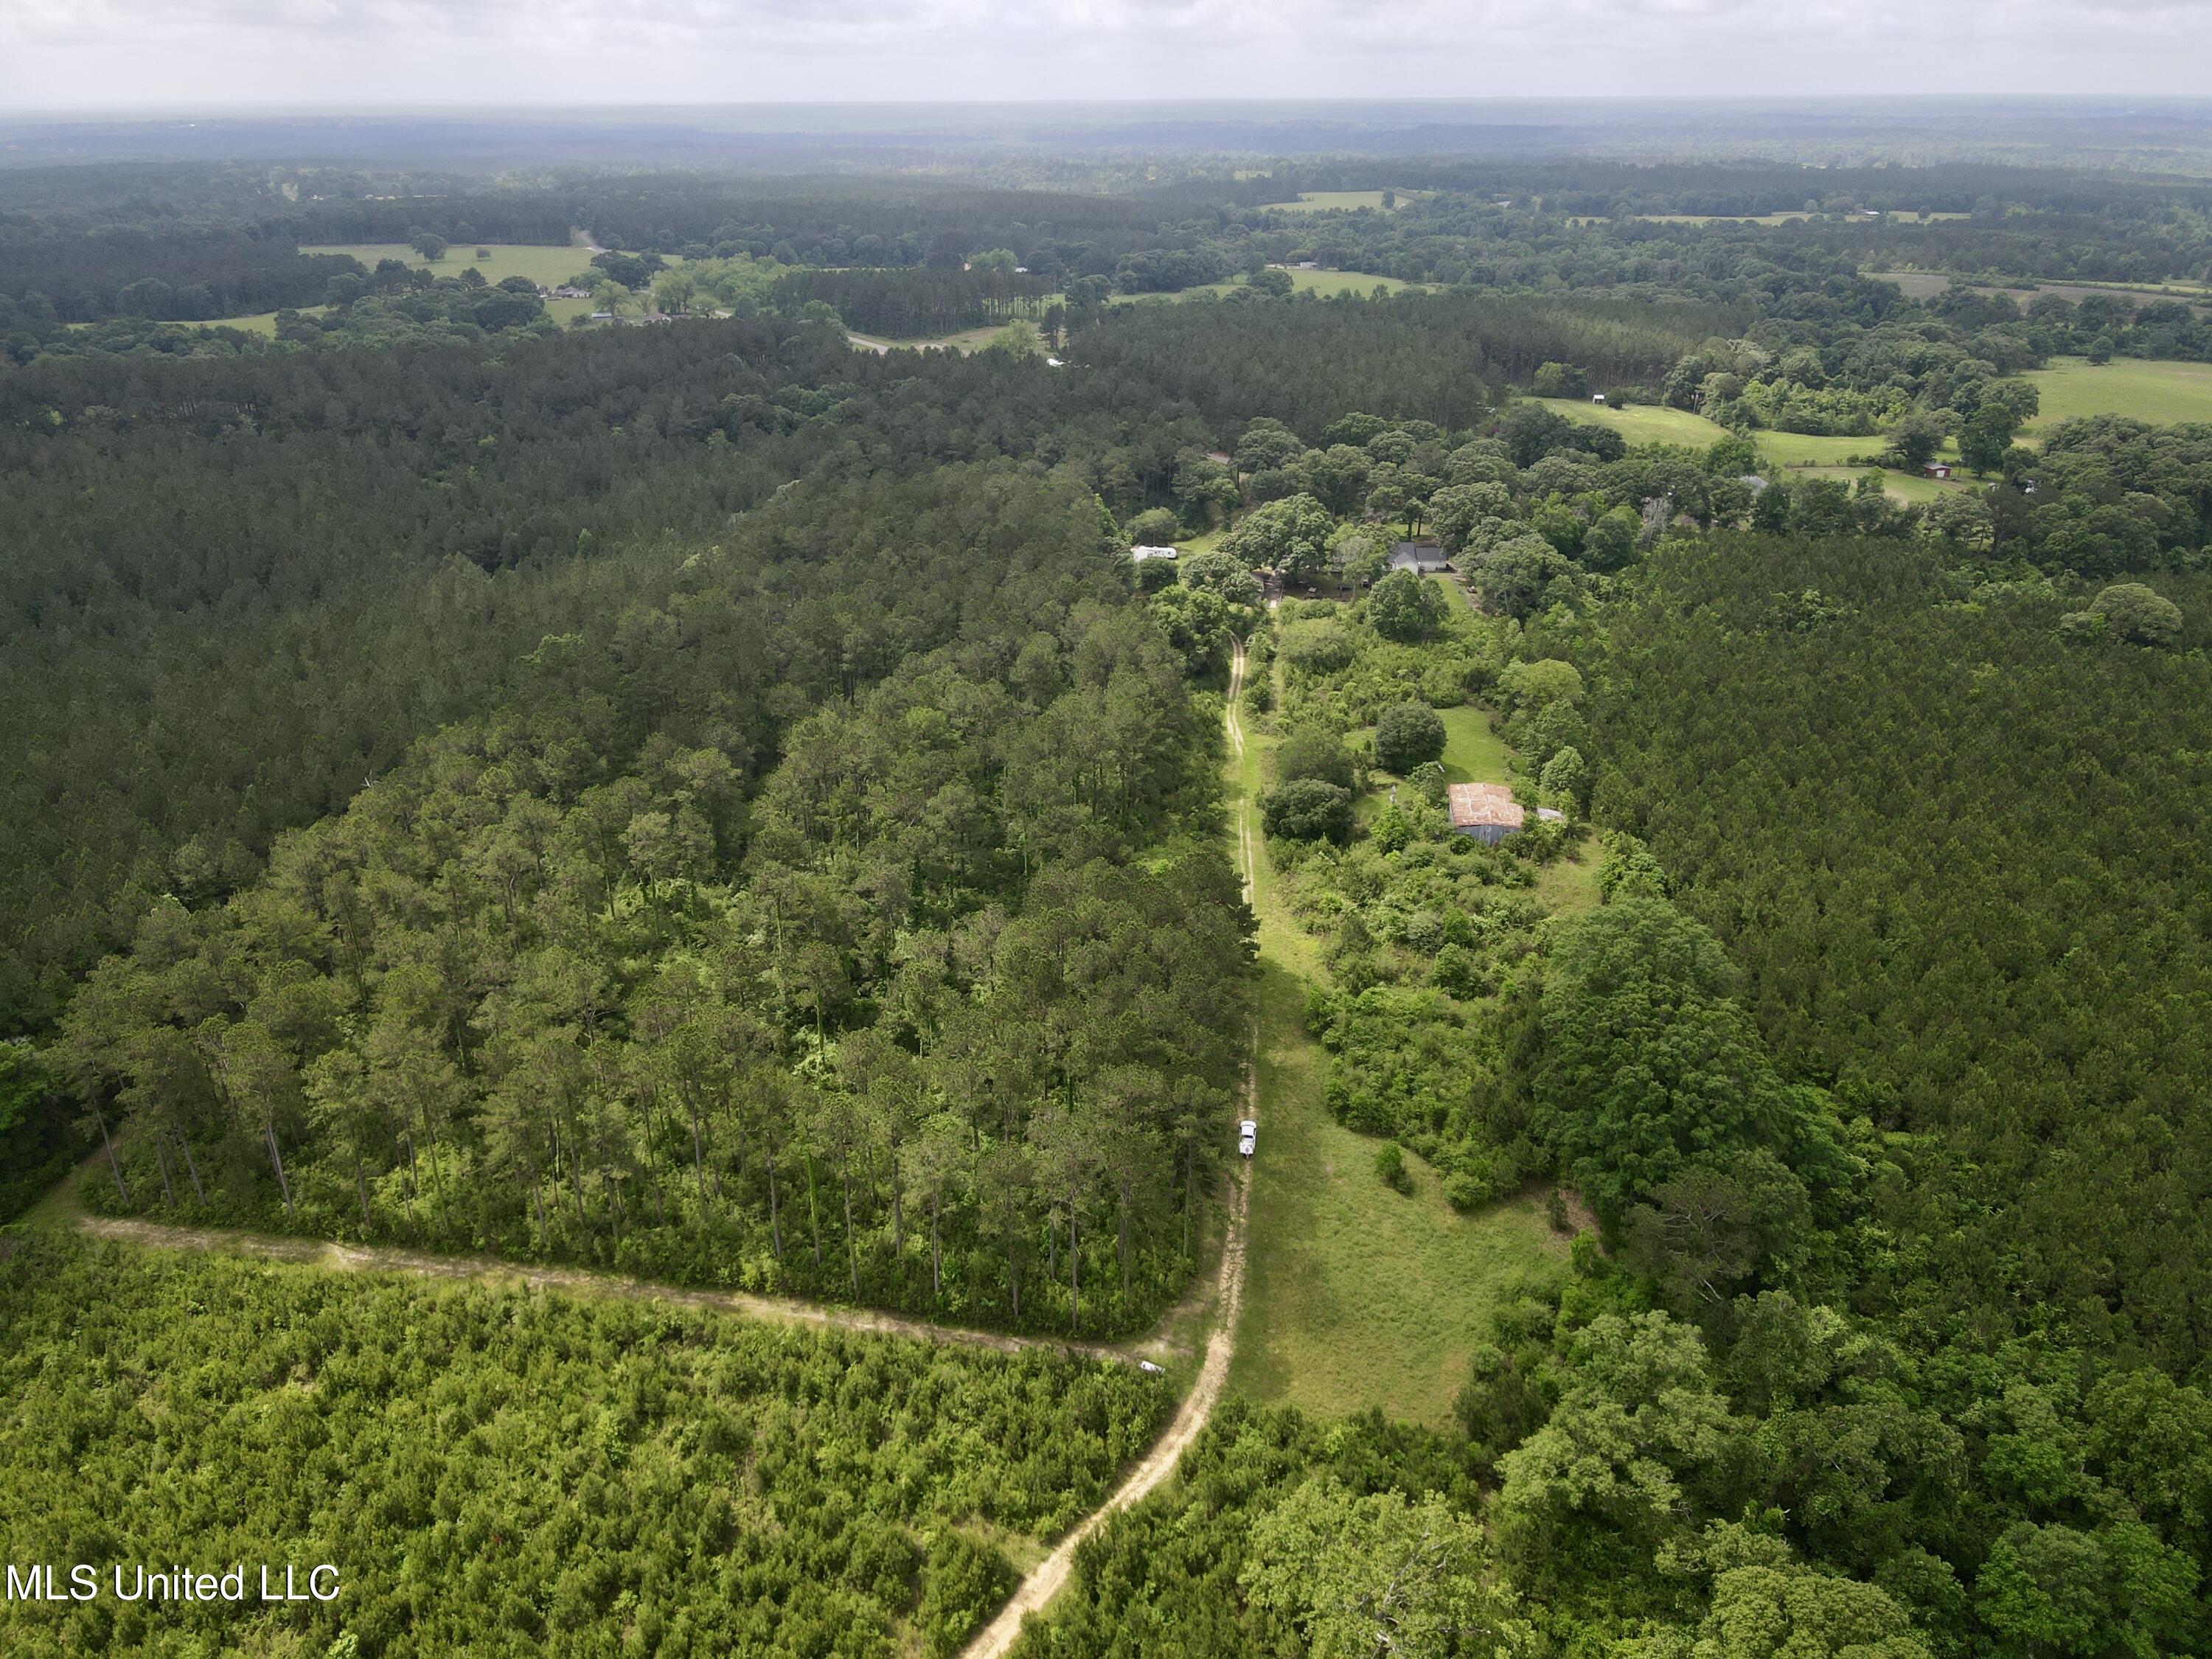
(123, 56)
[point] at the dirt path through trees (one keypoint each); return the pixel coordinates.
(575, 1281)
(1044, 1581)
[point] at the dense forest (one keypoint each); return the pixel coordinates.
(709, 802)
(903, 1019)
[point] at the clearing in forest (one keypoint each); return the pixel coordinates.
(1357, 1296)
(2163, 393)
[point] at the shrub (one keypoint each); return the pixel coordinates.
(1390, 1164)
(1406, 736)
(1465, 1192)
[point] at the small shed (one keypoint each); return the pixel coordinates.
(1424, 558)
(1486, 810)
(1597, 397)
(1937, 470)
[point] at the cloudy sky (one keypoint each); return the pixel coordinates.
(126, 55)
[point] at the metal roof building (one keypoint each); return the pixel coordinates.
(1489, 813)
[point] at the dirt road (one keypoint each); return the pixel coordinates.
(1043, 1582)
(574, 1281)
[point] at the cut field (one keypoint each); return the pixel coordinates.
(1642, 423)
(1327, 283)
(1339, 201)
(2160, 393)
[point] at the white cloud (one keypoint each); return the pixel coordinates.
(121, 53)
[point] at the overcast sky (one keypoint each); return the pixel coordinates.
(124, 55)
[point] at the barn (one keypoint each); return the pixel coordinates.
(1488, 811)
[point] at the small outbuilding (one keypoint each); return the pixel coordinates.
(1488, 811)
(1140, 553)
(1597, 397)
(1937, 470)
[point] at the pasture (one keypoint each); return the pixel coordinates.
(2161, 392)
(1642, 423)
(1340, 201)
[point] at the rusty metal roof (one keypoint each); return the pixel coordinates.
(1476, 804)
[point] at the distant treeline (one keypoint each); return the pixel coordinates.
(1584, 186)
(1421, 357)
(910, 305)
(188, 275)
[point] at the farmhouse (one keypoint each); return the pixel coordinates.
(1489, 813)
(1424, 558)
(1140, 553)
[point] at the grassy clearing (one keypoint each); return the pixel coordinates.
(1642, 423)
(1802, 449)
(1473, 752)
(1906, 487)
(1327, 283)
(2162, 393)
(1356, 1297)
(547, 267)
(1338, 201)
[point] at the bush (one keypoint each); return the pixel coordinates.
(1390, 1164)
(1465, 1192)
(1308, 809)
(963, 1584)
(1407, 736)
(1154, 527)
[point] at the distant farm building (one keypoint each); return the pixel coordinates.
(1425, 558)
(1597, 397)
(1488, 811)
(1937, 470)
(1140, 553)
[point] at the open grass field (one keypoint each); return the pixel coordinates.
(1642, 423)
(1802, 449)
(543, 265)
(1354, 1295)
(1912, 490)
(1337, 201)
(1473, 752)
(2162, 393)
